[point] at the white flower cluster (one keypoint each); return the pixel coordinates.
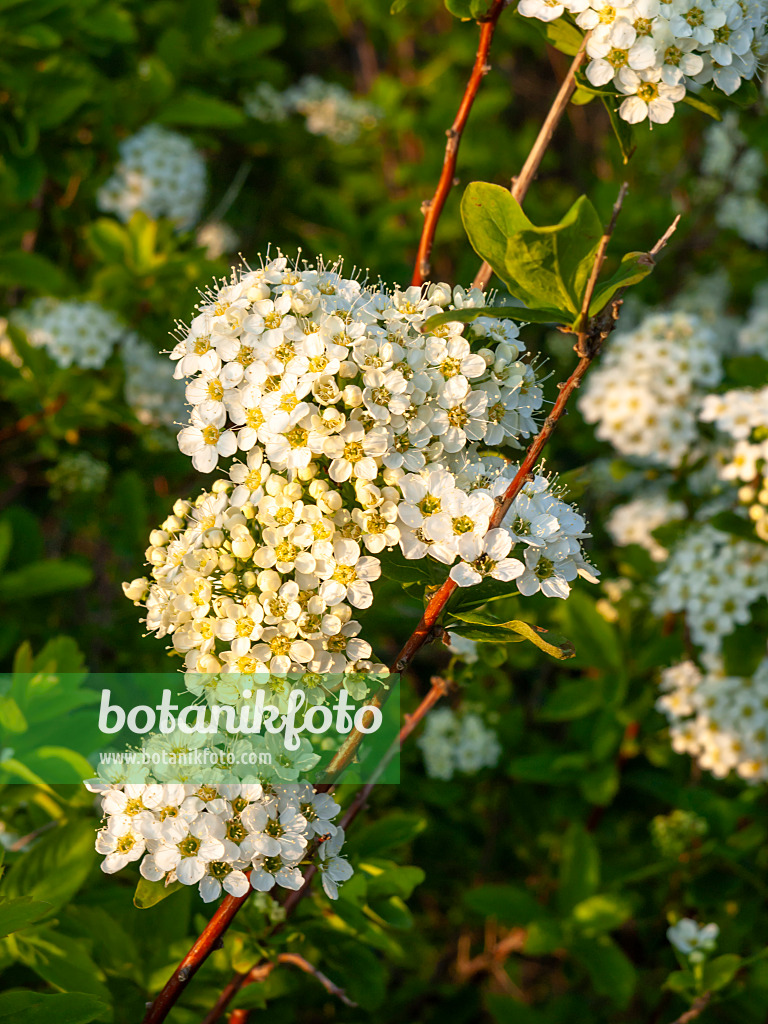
(217, 238)
(255, 578)
(78, 473)
(73, 333)
(715, 579)
(634, 522)
(721, 721)
(157, 400)
(651, 52)
(732, 175)
(357, 433)
(360, 420)
(328, 108)
(221, 837)
(752, 338)
(646, 392)
(457, 742)
(742, 414)
(160, 173)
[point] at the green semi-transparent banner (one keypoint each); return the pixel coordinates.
(58, 728)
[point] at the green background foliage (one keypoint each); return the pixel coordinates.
(555, 845)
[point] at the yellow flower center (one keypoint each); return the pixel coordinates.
(285, 551)
(345, 574)
(245, 626)
(297, 438)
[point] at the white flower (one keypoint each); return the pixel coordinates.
(121, 841)
(349, 576)
(692, 939)
(617, 48)
(205, 443)
(186, 848)
(648, 96)
(485, 556)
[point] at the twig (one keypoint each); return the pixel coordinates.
(204, 945)
(308, 968)
(696, 1010)
(522, 182)
(233, 191)
(433, 207)
(597, 266)
(261, 972)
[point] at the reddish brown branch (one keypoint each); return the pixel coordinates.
(208, 940)
(433, 207)
(696, 1010)
(261, 972)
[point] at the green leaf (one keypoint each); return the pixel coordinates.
(598, 641)
(543, 937)
(682, 982)
(62, 104)
(46, 577)
(581, 97)
(720, 972)
(469, 9)
(6, 541)
(545, 267)
(509, 904)
(745, 95)
(56, 866)
(31, 270)
(11, 716)
(601, 913)
(623, 130)
(563, 36)
(149, 893)
(64, 963)
(700, 104)
(24, 1007)
(519, 313)
(609, 969)
(551, 769)
(109, 240)
(745, 370)
(108, 21)
(579, 868)
(390, 911)
(483, 628)
(600, 785)
(385, 878)
(250, 997)
(633, 268)
(491, 217)
(388, 832)
(572, 700)
(20, 912)
(197, 109)
(737, 526)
